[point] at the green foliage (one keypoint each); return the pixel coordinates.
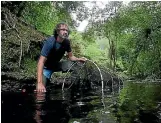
(44, 15)
(135, 33)
(29, 67)
(94, 53)
(77, 43)
(135, 97)
(127, 37)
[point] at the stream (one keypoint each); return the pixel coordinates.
(134, 103)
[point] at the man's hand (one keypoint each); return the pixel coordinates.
(40, 87)
(82, 59)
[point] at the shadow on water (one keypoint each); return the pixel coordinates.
(23, 107)
(27, 106)
(136, 103)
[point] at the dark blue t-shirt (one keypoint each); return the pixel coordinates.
(54, 51)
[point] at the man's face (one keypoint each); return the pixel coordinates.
(63, 31)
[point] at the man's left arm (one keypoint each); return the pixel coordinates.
(73, 58)
(70, 54)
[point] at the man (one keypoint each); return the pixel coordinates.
(52, 52)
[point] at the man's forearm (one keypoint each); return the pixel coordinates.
(39, 72)
(40, 67)
(73, 58)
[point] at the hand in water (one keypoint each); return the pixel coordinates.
(40, 87)
(40, 97)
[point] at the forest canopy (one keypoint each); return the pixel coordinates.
(125, 38)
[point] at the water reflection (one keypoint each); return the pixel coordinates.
(39, 102)
(139, 103)
(54, 106)
(51, 107)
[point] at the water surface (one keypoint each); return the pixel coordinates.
(136, 103)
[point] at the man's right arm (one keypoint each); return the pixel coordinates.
(40, 66)
(43, 57)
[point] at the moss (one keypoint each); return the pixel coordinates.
(30, 67)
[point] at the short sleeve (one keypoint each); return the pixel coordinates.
(68, 49)
(48, 44)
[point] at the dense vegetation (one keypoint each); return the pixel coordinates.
(126, 38)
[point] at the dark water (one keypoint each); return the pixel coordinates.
(136, 103)
(139, 102)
